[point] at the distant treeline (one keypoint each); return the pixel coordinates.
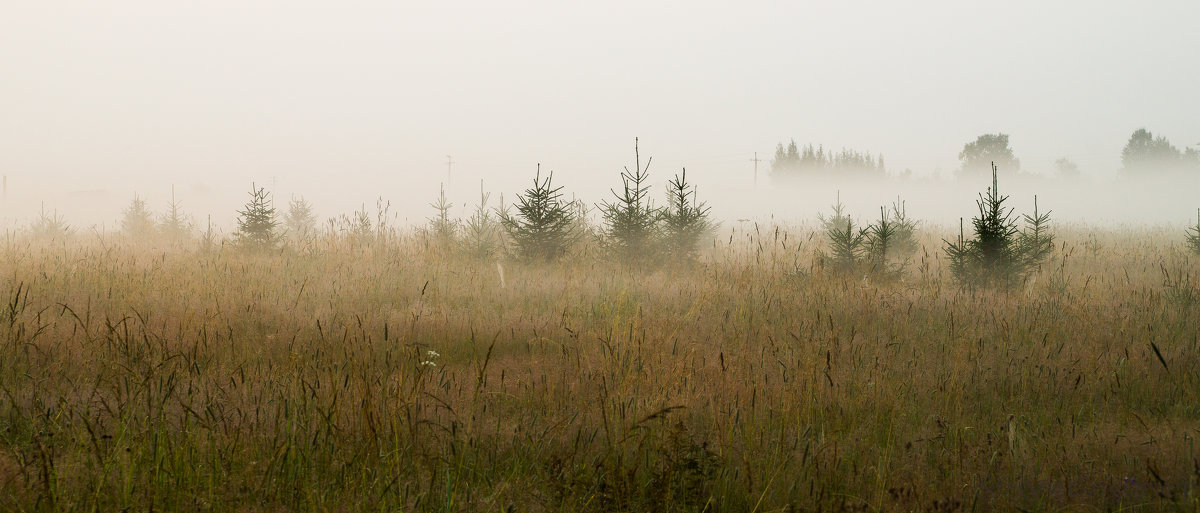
(1144, 154)
(793, 162)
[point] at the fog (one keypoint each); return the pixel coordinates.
(344, 103)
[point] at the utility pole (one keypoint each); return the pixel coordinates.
(756, 161)
(449, 162)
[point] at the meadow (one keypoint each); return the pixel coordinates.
(396, 375)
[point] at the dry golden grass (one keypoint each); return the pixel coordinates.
(180, 379)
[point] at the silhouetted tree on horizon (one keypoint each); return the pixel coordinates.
(1066, 168)
(978, 156)
(1147, 154)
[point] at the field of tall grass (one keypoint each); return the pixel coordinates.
(394, 375)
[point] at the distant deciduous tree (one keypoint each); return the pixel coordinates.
(978, 156)
(1145, 153)
(1066, 168)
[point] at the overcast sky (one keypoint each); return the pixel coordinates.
(354, 100)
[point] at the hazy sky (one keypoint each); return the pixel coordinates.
(354, 100)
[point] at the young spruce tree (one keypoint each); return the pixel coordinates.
(442, 229)
(905, 240)
(174, 223)
(481, 232)
(300, 221)
(848, 246)
(258, 229)
(1193, 235)
(543, 227)
(50, 226)
(137, 221)
(631, 221)
(882, 244)
(684, 221)
(355, 228)
(838, 220)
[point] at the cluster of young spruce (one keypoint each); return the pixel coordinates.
(1000, 254)
(880, 249)
(541, 226)
(545, 226)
